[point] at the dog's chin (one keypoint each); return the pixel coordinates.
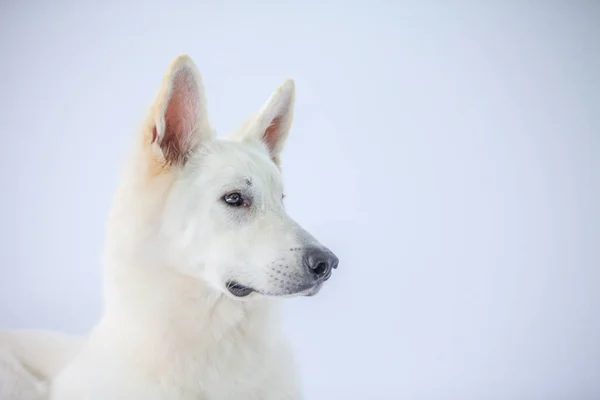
(240, 291)
(312, 290)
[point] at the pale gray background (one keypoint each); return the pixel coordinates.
(449, 152)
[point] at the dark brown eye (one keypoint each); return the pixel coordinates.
(234, 199)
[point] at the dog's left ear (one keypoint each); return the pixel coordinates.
(275, 118)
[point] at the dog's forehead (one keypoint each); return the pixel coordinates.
(249, 161)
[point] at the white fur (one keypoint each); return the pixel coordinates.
(171, 329)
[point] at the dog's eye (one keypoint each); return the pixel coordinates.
(234, 199)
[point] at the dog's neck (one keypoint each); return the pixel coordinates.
(172, 307)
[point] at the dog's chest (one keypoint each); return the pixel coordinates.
(219, 380)
(224, 370)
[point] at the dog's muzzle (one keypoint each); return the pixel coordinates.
(318, 264)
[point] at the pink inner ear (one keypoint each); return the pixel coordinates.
(180, 117)
(271, 136)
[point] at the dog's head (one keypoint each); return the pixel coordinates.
(221, 216)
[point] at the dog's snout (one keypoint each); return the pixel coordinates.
(320, 262)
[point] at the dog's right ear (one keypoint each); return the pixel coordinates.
(179, 116)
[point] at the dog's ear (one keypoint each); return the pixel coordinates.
(179, 118)
(275, 118)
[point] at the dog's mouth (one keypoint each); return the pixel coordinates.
(238, 290)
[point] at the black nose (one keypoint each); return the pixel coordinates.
(320, 262)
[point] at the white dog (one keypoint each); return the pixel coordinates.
(198, 249)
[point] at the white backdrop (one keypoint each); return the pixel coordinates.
(449, 154)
